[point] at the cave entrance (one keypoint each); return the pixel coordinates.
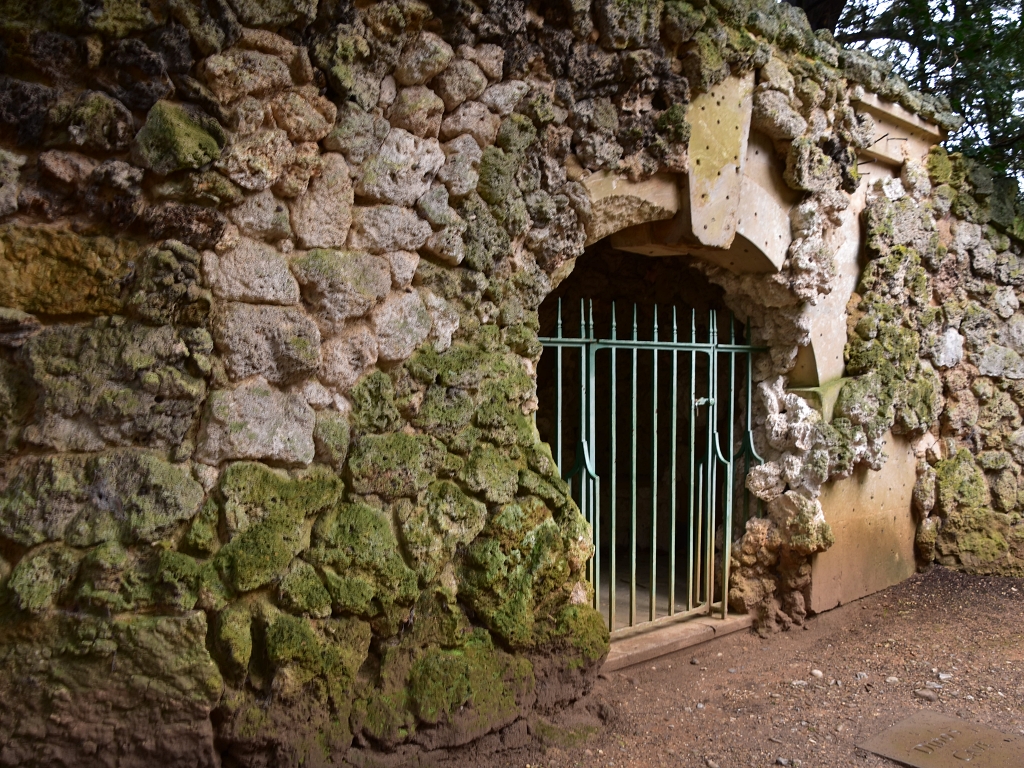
(644, 392)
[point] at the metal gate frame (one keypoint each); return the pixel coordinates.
(586, 484)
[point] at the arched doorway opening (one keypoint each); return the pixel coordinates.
(644, 394)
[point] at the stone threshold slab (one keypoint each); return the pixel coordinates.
(669, 638)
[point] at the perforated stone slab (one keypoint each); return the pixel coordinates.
(931, 740)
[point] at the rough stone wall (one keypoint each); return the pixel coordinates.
(937, 310)
(934, 354)
(270, 492)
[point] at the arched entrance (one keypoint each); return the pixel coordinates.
(644, 395)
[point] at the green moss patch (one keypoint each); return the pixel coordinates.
(176, 137)
(354, 547)
(395, 465)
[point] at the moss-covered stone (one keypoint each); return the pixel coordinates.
(672, 123)
(95, 667)
(177, 576)
(961, 484)
(120, 18)
(442, 520)
(355, 549)
(207, 188)
(439, 684)
(331, 436)
(445, 682)
(301, 591)
(444, 411)
(517, 571)
(176, 137)
(203, 535)
(491, 473)
(16, 399)
(252, 492)
(116, 381)
(128, 495)
(233, 640)
(628, 23)
(43, 578)
(268, 511)
(486, 241)
(373, 405)
(395, 465)
(108, 581)
(274, 13)
(345, 56)
(167, 289)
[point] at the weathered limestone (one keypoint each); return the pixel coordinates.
(280, 344)
(618, 203)
(341, 284)
(321, 218)
(262, 216)
(348, 356)
(385, 228)
(402, 169)
(257, 161)
(252, 272)
(401, 323)
(256, 422)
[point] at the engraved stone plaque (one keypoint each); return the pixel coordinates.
(931, 740)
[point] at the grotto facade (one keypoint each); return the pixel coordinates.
(271, 487)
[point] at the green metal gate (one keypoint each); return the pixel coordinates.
(655, 431)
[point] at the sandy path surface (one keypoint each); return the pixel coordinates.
(941, 641)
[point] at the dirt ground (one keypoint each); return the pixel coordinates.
(803, 697)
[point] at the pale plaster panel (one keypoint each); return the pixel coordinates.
(873, 522)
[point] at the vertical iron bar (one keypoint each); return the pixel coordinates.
(632, 507)
(595, 501)
(730, 454)
(654, 472)
(691, 573)
(709, 542)
(583, 436)
(699, 552)
(614, 485)
(672, 458)
(558, 390)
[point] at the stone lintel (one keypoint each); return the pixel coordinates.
(762, 233)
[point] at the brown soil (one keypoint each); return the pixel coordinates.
(748, 701)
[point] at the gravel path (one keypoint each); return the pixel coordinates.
(941, 640)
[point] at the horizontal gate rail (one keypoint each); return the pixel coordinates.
(712, 464)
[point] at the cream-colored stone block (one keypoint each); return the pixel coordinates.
(618, 203)
(873, 522)
(720, 127)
